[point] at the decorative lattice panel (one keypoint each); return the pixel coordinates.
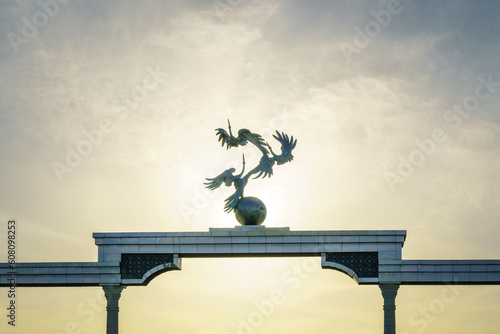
(364, 264)
(134, 266)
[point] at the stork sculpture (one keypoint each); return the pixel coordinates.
(245, 209)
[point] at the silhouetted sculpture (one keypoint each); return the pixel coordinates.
(263, 169)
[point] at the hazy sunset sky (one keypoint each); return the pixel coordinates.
(107, 118)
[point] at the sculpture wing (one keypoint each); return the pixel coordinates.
(224, 137)
(264, 168)
(245, 135)
(231, 202)
(215, 183)
(287, 145)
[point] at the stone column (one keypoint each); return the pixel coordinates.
(112, 293)
(389, 292)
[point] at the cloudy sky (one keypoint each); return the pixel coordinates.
(107, 118)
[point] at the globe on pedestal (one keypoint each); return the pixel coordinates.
(250, 211)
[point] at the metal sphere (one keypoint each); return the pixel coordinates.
(250, 211)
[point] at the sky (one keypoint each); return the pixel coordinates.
(107, 118)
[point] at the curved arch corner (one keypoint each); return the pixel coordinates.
(158, 270)
(362, 267)
(336, 266)
(155, 271)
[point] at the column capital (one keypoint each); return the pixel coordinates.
(389, 290)
(113, 292)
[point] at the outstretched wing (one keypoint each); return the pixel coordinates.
(231, 202)
(224, 137)
(230, 141)
(264, 168)
(225, 176)
(245, 135)
(287, 145)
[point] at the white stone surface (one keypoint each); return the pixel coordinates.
(226, 242)
(255, 241)
(441, 271)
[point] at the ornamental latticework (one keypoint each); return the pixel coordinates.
(134, 266)
(364, 264)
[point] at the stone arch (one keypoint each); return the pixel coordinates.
(360, 266)
(140, 269)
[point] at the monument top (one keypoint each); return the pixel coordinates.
(250, 210)
(256, 231)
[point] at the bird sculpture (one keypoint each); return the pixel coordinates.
(264, 167)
